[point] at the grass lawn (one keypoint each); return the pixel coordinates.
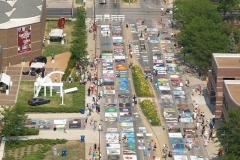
(78, 1)
(57, 47)
(75, 151)
(71, 100)
(42, 149)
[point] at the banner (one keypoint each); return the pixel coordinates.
(24, 39)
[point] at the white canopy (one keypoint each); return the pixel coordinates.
(5, 78)
(56, 33)
(37, 65)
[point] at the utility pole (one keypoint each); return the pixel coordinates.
(72, 7)
(94, 13)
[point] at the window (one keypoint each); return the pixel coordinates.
(228, 78)
(214, 75)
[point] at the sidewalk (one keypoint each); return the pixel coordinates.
(207, 108)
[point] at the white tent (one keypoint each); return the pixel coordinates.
(56, 33)
(5, 79)
(37, 65)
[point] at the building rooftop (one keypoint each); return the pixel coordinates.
(233, 87)
(227, 60)
(28, 11)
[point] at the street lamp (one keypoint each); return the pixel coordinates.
(99, 129)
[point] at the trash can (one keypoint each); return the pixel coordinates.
(82, 138)
(64, 152)
(55, 151)
(82, 110)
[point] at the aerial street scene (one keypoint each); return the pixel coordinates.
(119, 80)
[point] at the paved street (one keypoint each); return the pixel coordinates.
(123, 129)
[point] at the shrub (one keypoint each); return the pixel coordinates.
(31, 131)
(150, 112)
(19, 143)
(70, 66)
(140, 84)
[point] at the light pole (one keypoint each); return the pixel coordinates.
(99, 129)
(94, 13)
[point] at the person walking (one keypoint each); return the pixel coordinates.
(89, 91)
(196, 106)
(95, 146)
(193, 90)
(64, 129)
(90, 151)
(94, 127)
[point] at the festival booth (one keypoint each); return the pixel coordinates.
(56, 35)
(5, 83)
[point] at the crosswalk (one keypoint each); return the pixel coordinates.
(106, 17)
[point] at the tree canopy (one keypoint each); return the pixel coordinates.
(79, 40)
(200, 34)
(14, 118)
(228, 135)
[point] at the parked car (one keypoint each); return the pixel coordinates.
(169, 9)
(42, 59)
(38, 101)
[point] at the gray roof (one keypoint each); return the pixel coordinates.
(25, 11)
(5, 7)
(3, 18)
(19, 3)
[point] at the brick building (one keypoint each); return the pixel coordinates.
(224, 67)
(22, 26)
(231, 96)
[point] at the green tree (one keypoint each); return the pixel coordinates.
(79, 40)
(186, 10)
(228, 135)
(200, 38)
(14, 118)
(201, 34)
(226, 6)
(233, 48)
(228, 27)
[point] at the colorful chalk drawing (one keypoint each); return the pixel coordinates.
(127, 129)
(112, 137)
(126, 119)
(128, 135)
(154, 41)
(176, 140)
